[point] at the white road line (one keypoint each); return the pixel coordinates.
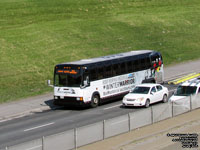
(112, 106)
(39, 126)
(4, 120)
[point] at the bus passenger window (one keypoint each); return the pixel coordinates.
(116, 70)
(130, 66)
(123, 68)
(136, 65)
(100, 73)
(108, 72)
(93, 75)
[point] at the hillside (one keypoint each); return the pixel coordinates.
(35, 35)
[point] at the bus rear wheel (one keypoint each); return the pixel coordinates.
(95, 101)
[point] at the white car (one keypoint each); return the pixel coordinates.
(191, 87)
(146, 94)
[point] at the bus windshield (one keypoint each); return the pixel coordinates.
(67, 80)
(185, 90)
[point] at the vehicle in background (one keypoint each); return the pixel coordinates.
(146, 94)
(96, 80)
(185, 89)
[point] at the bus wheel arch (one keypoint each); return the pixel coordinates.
(95, 100)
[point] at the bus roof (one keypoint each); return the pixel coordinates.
(109, 57)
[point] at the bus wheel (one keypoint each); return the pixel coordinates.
(147, 103)
(95, 101)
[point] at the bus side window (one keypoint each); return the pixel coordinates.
(142, 64)
(116, 69)
(93, 74)
(136, 65)
(108, 72)
(148, 63)
(123, 68)
(129, 67)
(100, 73)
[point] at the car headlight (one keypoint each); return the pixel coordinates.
(124, 99)
(140, 99)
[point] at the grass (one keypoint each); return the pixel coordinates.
(35, 35)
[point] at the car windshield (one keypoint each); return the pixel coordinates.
(141, 90)
(185, 90)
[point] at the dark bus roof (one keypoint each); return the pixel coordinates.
(109, 57)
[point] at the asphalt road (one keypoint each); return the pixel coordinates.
(54, 121)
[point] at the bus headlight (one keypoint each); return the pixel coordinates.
(79, 98)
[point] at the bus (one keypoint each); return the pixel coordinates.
(97, 80)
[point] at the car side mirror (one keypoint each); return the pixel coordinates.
(152, 93)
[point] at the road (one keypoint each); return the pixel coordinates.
(50, 122)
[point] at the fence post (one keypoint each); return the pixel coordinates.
(152, 115)
(104, 129)
(43, 143)
(172, 108)
(129, 122)
(190, 102)
(75, 138)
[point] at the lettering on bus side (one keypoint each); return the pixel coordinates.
(118, 84)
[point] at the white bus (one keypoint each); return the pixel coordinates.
(96, 80)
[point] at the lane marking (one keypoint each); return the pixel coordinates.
(4, 120)
(184, 78)
(112, 107)
(39, 126)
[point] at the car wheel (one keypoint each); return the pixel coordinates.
(147, 103)
(164, 100)
(95, 101)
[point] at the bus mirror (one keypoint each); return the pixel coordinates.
(49, 83)
(85, 82)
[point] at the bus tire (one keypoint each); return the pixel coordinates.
(147, 103)
(95, 101)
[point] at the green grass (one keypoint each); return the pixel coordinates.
(35, 35)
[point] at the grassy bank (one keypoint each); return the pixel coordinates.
(35, 35)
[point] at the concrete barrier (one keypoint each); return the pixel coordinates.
(116, 126)
(89, 134)
(31, 145)
(181, 106)
(61, 141)
(161, 112)
(140, 118)
(195, 100)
